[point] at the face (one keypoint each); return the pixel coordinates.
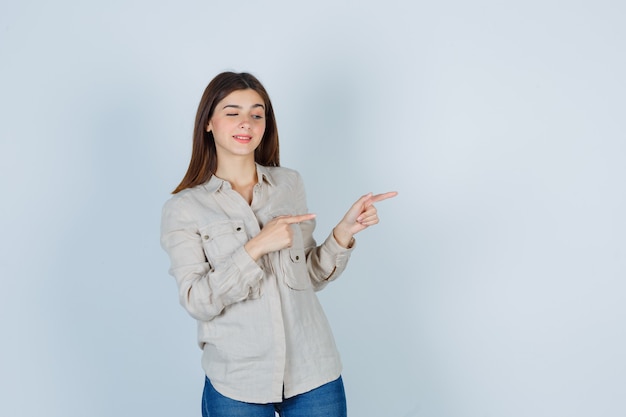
(238, 124)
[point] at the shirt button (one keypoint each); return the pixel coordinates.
(205, 237)
(297, 257)
(239, 229)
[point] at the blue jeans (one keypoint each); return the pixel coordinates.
(329, 400)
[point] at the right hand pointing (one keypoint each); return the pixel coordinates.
(275, 235)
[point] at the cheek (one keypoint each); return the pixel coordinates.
(261, 128)
(218, 125)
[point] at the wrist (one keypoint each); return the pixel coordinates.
(343, 237)
(253, 250)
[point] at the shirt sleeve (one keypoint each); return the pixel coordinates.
(205, 289)
(324, 262)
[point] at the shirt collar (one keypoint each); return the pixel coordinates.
(264, 174)
(215, 183)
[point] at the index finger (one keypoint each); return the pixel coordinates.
(299, 218)
(380, 197)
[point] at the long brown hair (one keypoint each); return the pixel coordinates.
(203, 155)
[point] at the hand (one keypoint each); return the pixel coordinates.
(361, 215)
(275, 235)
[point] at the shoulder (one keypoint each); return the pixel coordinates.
(283, 175)
(184, 199)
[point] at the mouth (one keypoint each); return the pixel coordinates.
(242, 138)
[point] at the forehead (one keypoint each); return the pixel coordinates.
(244, 98)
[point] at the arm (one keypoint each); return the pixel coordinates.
(338, 245)
(327, 261)
(204, 289)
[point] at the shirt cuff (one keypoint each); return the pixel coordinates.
(333, 248)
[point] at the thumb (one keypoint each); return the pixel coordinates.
(363, 200)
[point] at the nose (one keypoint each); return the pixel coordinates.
(245, 123)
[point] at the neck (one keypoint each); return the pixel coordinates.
(237, 171)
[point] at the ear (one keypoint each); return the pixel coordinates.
(209, 127)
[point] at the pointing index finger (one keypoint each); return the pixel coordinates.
(380, 197)
(299, 218)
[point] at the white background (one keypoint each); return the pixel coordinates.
(495, 283)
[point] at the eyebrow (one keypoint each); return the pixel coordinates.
(240, 107)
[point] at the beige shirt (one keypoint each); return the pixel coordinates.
(260, 325)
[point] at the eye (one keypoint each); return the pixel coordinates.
(231, 114)
(257, 116)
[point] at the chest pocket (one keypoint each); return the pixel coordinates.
(221, 239)
(293, 263)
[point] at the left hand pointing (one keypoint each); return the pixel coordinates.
(361, 215)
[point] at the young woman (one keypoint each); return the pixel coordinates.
(240, 241)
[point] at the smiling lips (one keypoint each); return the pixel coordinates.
(242, 138)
